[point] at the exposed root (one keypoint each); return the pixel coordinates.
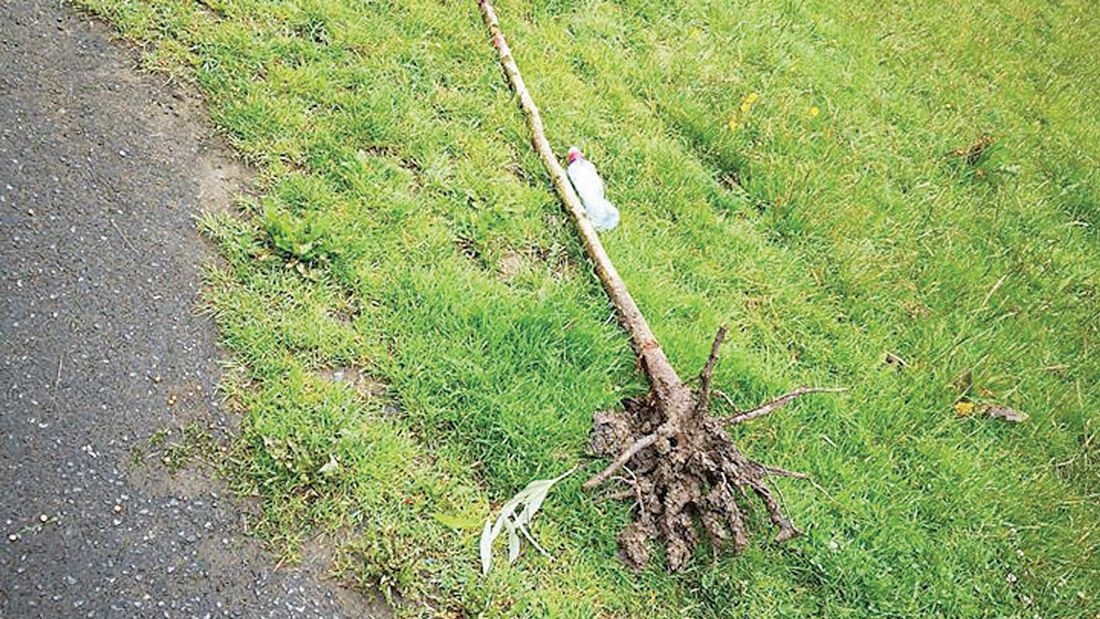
(779, 403)
(620, 495)
(778, 472)
(622, 459)
(708, 371)
(687, 476)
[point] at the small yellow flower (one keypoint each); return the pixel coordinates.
(814, 111)
(733, 124)
(746, 103)
(963, 408)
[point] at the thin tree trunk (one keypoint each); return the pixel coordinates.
(686, 473)
(663, 378)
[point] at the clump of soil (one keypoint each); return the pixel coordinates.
(684, 473)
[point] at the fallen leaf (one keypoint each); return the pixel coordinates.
(486, 546)
(515, 520)
(330, 467)
(1006, 413)
(973, 153)
(510, 265)
(963, 408)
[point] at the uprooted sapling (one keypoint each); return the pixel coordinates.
(683, 471)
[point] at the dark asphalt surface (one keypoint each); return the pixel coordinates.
(102, 173)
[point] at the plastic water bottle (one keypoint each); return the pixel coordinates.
(586, 180)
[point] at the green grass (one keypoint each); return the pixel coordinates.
(406, 228)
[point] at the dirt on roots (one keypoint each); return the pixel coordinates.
(685, 475)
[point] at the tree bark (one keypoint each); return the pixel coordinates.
(683, 467)
(661, 375)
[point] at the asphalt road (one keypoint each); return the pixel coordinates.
(102, 173)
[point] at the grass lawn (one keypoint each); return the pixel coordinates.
(788, 168)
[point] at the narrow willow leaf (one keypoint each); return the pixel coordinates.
(486, 546)
(537, 492)
(530, 499)
(513, 544)
(541, 550)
